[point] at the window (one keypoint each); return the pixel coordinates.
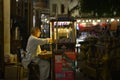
(62, 8)
(54, 8)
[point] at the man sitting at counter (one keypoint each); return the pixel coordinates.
(33, 50)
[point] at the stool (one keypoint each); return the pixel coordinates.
(34, 73)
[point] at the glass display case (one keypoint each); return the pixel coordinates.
(64, 31)
(45, 27)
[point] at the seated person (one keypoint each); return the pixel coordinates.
(33, 49)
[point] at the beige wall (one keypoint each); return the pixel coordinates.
(6, 9)
(59, 2)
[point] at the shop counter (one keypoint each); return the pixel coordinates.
(45, 55)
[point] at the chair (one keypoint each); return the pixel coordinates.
(33, 68)
(34, 73)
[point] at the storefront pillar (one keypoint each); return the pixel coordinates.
(6, 18)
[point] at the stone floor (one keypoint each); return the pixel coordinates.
(78, 76)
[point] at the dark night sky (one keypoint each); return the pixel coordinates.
(100, 5)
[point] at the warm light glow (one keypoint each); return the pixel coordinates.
(94, 23)
(83, 24)
(48, 21)
(90, 20)
(78, 21)
(62, 23)
(83, 21)
(93, 20)
(112, 20)
(107, 20)
(86, 20)
(98, 20)
(34, 21)
(17, 0)
(118, 20)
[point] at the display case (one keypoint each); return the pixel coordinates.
(64, 31)
(45, 26)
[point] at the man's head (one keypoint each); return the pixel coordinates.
(36, 32)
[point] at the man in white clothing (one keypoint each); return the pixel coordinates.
(33, 49)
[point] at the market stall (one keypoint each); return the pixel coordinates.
(99, 56)
(64, 37)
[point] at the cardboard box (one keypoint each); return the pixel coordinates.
(13, 72)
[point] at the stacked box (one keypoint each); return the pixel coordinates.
(13, 72)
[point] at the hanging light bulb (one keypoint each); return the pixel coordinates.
(17, 0)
